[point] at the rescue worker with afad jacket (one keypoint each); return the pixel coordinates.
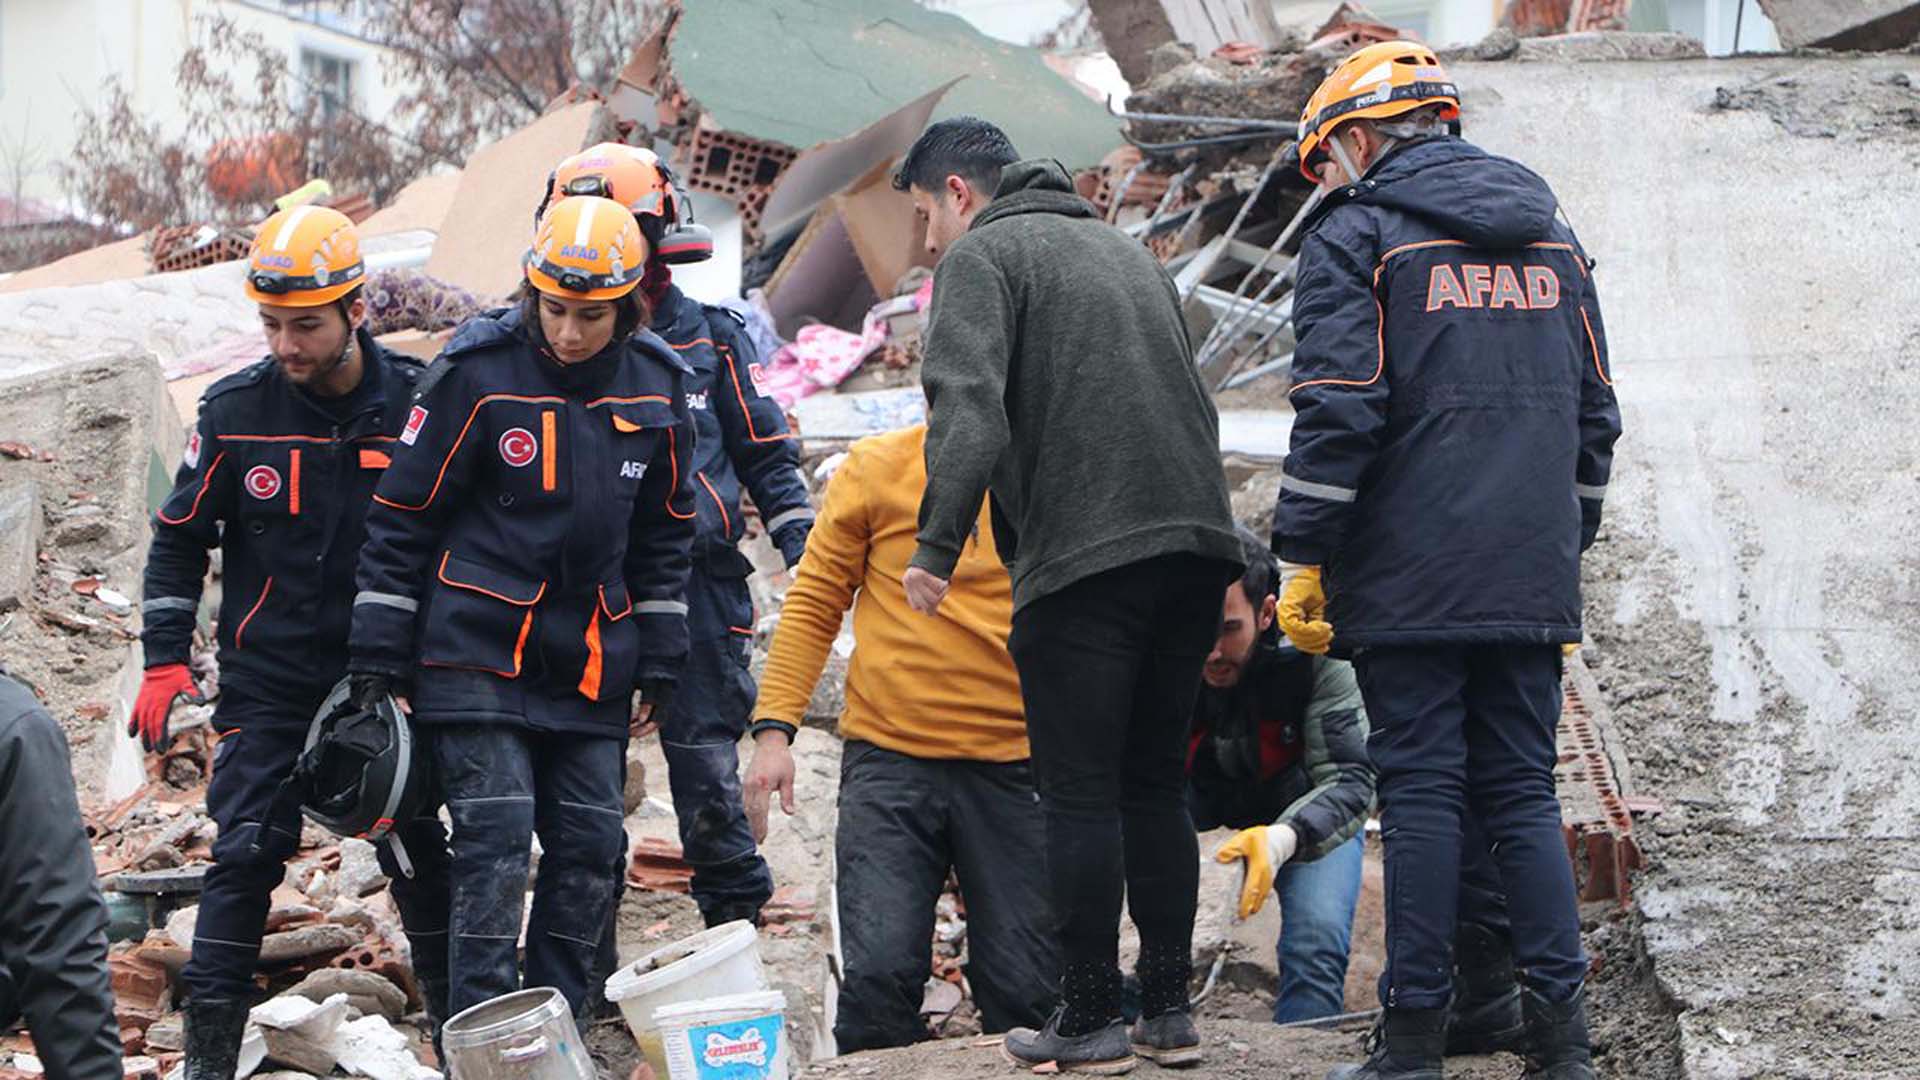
(279, 471)
(523, 578)
(741, 441)
(1454, 429)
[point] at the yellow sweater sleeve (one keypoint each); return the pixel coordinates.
(823, 589)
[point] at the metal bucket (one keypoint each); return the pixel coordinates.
(523, 1036)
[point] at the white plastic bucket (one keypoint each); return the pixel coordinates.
(717, 962)
(737, 1037)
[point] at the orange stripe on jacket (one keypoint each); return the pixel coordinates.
(590, 678)
(257, 604)
(733, 370)
(1595, 345)
(206, 478)
(726, 523)
(549, 467)
(293, 483)
(468, 426)
(673, 465)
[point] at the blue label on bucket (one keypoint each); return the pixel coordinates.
(741, 1050)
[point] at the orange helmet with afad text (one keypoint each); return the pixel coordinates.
(1379, 82)
(632, 176)
(305, 256)
(587, 248)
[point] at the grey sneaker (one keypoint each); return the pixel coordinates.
(1169, 1040)
(1100, 1053)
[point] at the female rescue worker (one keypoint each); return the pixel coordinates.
(742, 443)
(523, 578)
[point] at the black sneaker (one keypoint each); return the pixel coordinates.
(1169, 1040)
(1103, 1052)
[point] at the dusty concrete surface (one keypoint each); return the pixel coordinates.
(1750, 605)
(104, 433)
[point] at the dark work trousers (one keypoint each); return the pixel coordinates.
(263, 737)
(1109, 671)
(1469, 730)
(1483, 899)
(504, 783)
(905, 822)
(701, 739)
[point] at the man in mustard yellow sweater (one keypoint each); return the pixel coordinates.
(934, 776)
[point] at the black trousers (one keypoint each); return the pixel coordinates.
(502, 784)
(905, 822)
(1467, 732)
(264, 736)
(1109, 670)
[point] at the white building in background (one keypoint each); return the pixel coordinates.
(56, 56)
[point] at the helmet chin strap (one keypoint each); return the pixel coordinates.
(1339, 151)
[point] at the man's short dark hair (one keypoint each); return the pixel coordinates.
(1262, 572)
(964, 146)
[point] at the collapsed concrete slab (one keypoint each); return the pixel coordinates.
(1844, 24)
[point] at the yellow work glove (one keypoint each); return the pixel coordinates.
(1262, 850)
(1303, 612)
(1569, 648)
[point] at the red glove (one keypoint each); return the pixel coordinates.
(161, 685)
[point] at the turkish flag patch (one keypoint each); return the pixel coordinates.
(263, 481)
(415, 421)
(517, 447)
(759, 377)
(192, 456)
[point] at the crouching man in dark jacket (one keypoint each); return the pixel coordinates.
(1279, 751)
(1453, 436)
(53, 924)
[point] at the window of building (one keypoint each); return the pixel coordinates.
(329, 76)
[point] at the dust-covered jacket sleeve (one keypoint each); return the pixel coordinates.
(1339, 394)
(53, 922)
(971, 328)
(1334, 730)
(1599, 412)
(428, 479)
(659, 550)
(764, 453)
(185, 528)
(823, 589)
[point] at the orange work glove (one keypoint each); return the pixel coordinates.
(158, 689)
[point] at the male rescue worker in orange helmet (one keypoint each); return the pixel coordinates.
(1454, 426)
(742, 442)
(278, 473)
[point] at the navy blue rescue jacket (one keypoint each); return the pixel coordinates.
(1454, 406)
(534, 527)
(282, 488)
(742, 438)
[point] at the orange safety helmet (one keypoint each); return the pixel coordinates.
(587, 248)
(304, 257)
(629, 175)
(1380, 81)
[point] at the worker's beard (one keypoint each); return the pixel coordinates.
(315, 375)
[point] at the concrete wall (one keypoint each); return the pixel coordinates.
(55, 56)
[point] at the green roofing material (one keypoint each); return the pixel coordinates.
(802, 72)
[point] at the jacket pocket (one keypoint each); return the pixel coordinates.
(480, 617)
(613, 645)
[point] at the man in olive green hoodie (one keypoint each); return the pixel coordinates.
(1060, 378)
